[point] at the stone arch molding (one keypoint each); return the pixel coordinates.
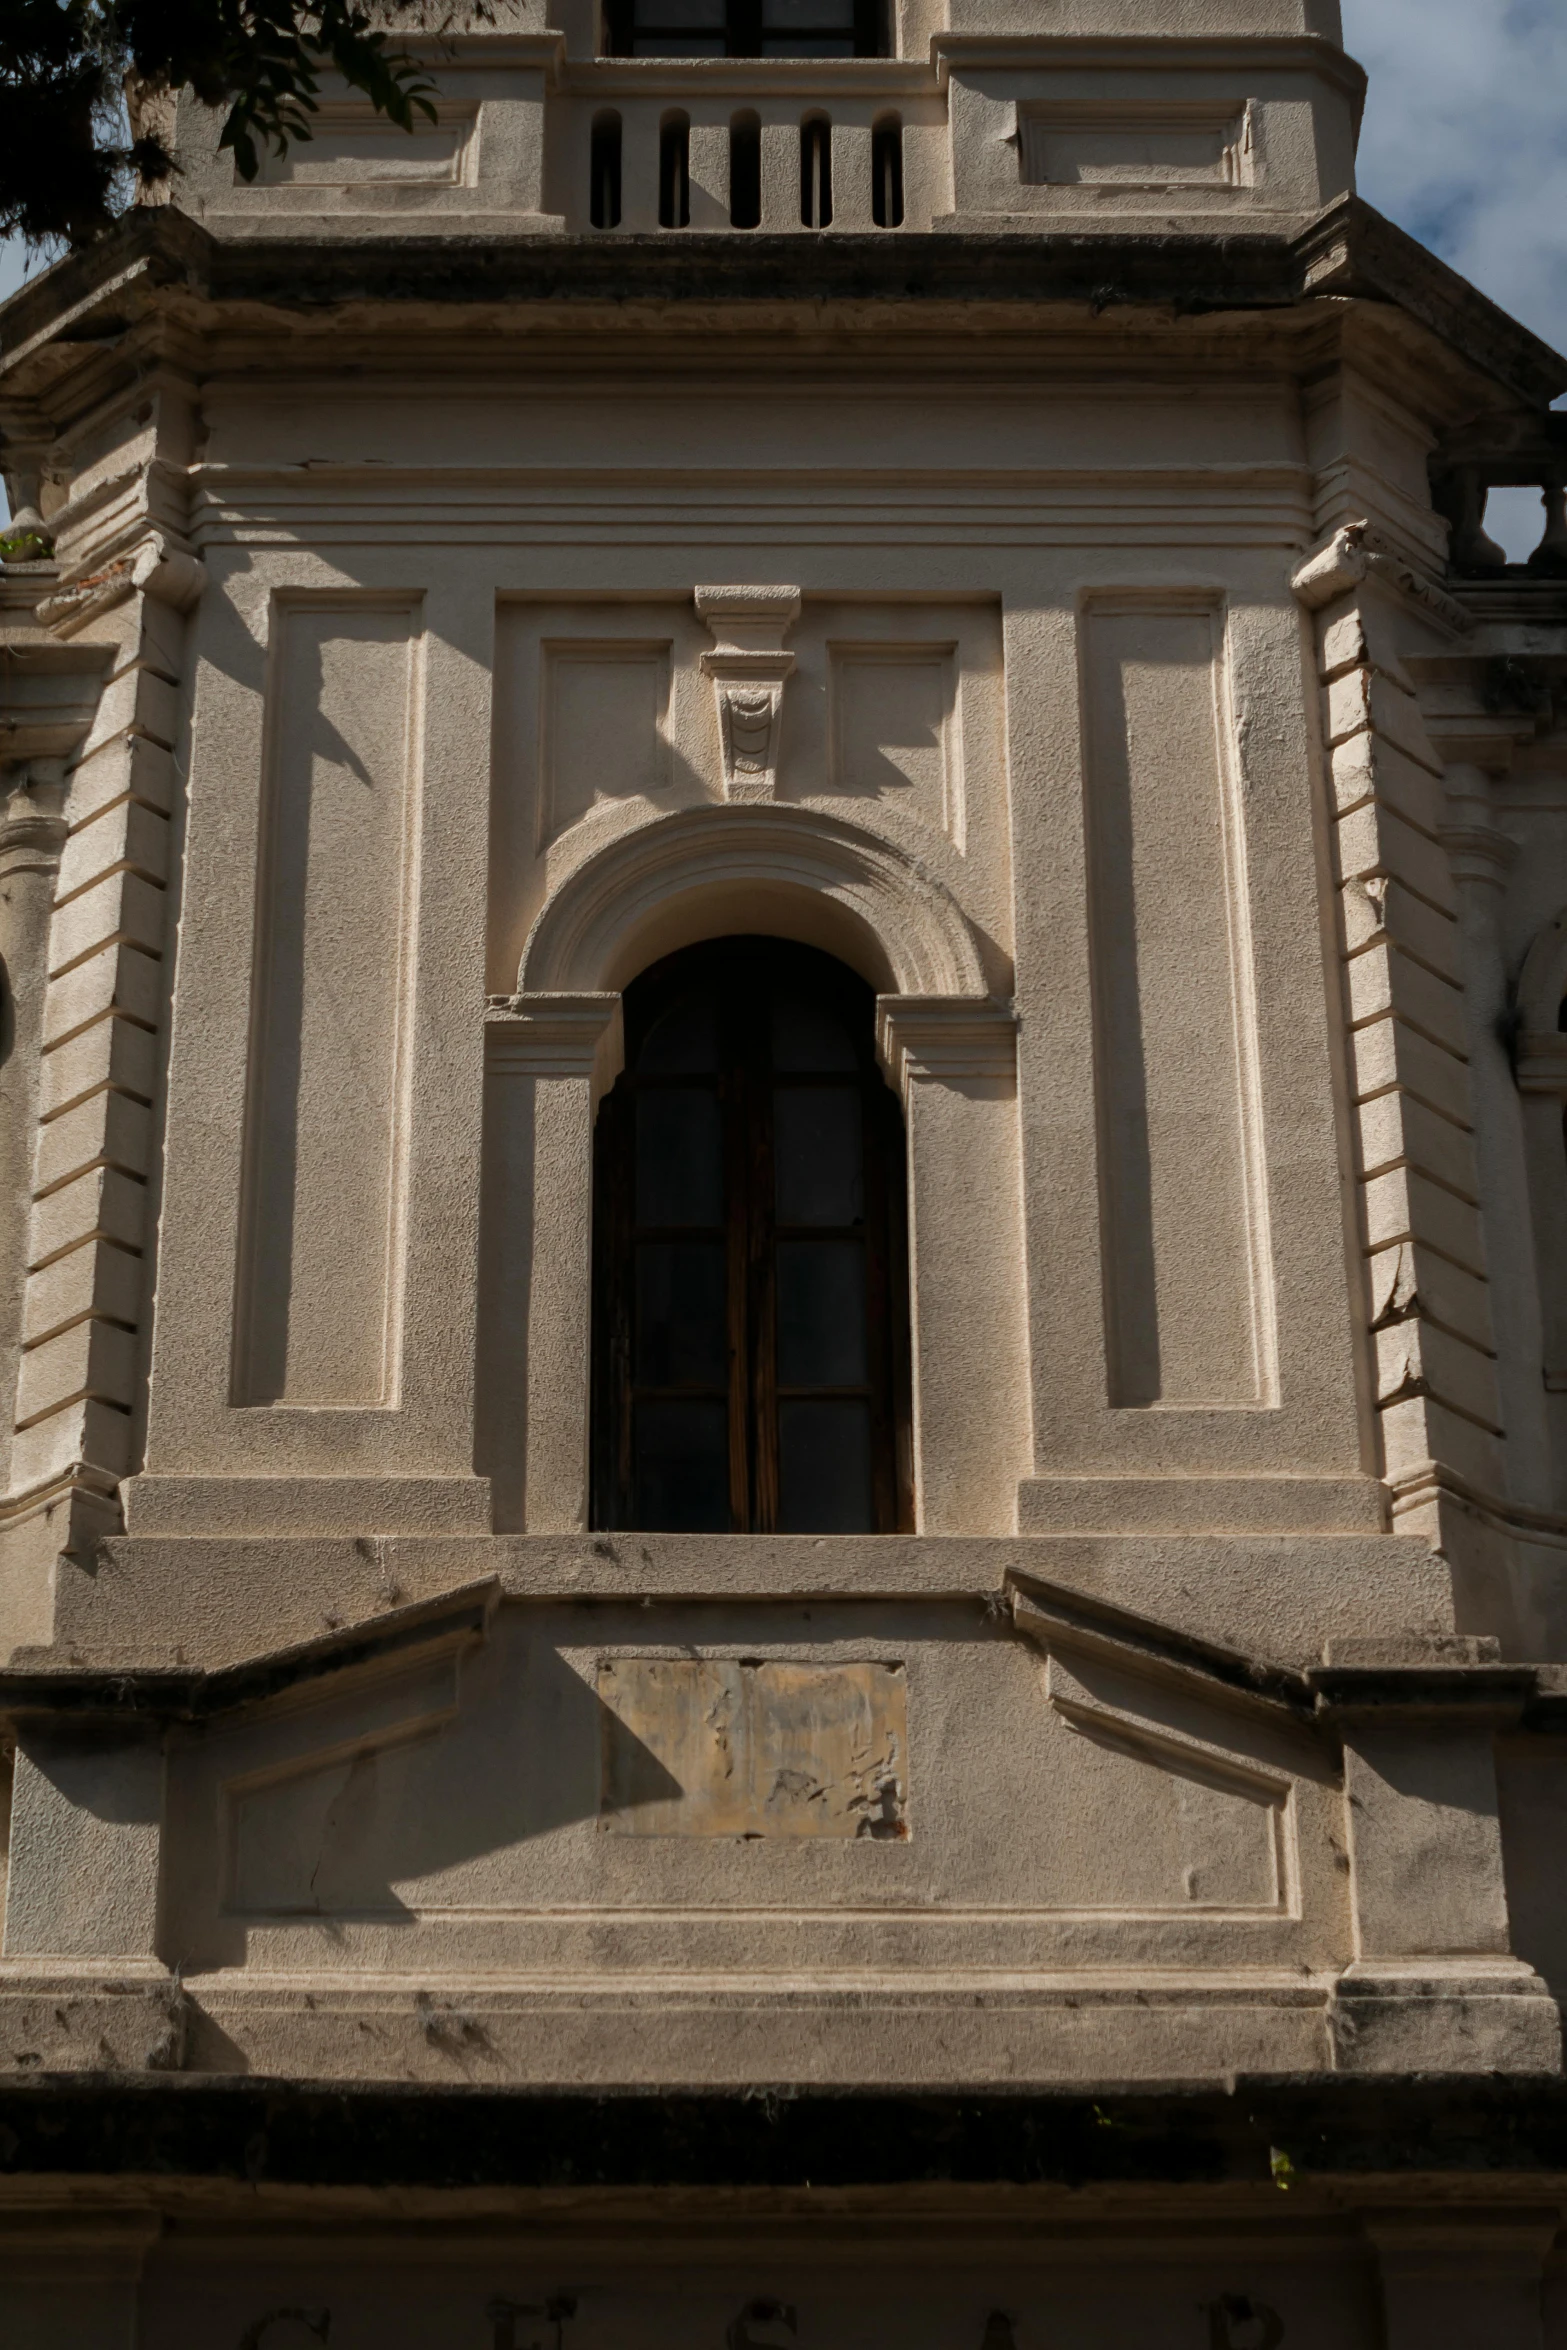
(790, 870)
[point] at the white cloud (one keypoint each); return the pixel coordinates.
(1465, 140)
(1465, 145)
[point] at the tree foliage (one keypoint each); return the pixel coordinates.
(86, 85)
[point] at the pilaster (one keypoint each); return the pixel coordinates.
(954, 1064)
(548, 1061)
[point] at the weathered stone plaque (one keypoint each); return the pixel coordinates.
(734, 1747)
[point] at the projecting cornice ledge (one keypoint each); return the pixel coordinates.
(452, 1621)
(1348, 252)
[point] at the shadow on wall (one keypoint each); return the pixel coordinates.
(1531, 1779)
(333, 1836)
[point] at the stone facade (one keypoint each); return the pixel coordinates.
(1041, 565)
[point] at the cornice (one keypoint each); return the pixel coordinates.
(1353, 250)
(162, 264)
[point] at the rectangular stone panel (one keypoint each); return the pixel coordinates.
(891, 721)
(351, 145)
(324, 1178)
(733, 1747)
(602, 713)
(1187, 1317)
(1137, 148)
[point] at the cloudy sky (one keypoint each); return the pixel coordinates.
(1465, 139)
(1465, 145)
(1465, 142)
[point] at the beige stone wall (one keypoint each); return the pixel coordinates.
(419, 663)
(1221, 116)
(1044, 762)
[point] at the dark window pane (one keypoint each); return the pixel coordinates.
(681, 1467)
(677, 45)
(666, 16)
(681, 1332)
(680, 1158)
(808, 1036)
(808, 16)
(821, 1313)
(745, 172)
(824, 1468)
(817, 1155)
(808, 45)
(684, 1043)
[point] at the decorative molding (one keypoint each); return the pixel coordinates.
(47, 706)
(80, 1485)
(30, 836)
(1542, 1063)
(895, 915)
(1431, 1481)
(1478, 853)
(749, 668)
(1477, 850)
(552, 1035)
(945, 1040)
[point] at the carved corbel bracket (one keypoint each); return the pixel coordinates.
(155, 566)
(749, 667)
(1356, 553)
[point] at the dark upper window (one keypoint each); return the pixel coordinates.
(750, 1348)
(744, 28)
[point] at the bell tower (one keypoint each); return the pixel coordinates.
(784, 929)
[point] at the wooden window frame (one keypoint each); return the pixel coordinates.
(746, 1084)
(743, 29)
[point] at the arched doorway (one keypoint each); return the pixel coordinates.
(750, 1292)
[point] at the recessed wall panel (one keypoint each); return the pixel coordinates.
(891, 718)
(1179, 1147)
(318, 1290)
(604, 708)
(1155, 148)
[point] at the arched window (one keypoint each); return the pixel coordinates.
(750, 1349)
